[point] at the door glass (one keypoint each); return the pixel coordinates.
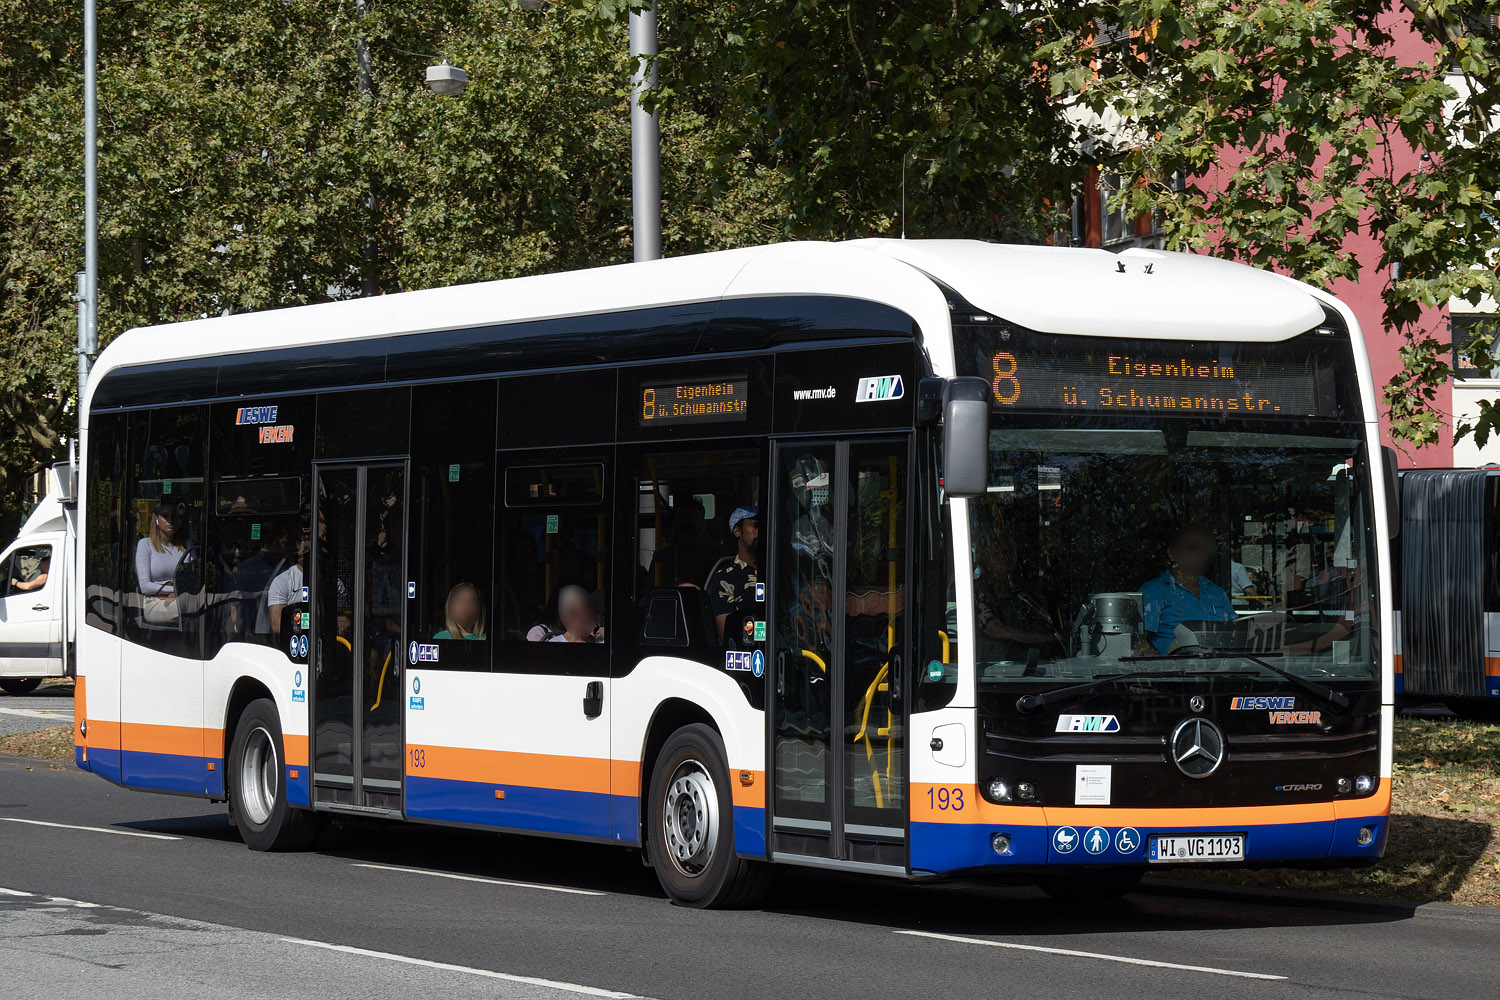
(805, 557)
(385, 516)
(874, 634)
(333, 713)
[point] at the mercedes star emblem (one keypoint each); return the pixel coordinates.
(1197, 747)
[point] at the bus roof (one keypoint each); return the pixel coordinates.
(1135, 294)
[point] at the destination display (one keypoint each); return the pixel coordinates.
(1185, 381)
(697, 402)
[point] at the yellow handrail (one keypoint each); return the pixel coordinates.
(380, 687)
(816, 659)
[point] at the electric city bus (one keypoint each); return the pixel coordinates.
(908, 558)
(1446, 563)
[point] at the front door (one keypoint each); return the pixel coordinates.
(839, 591)
(358, 608)
(31, 612)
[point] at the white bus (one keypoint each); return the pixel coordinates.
(857, 556)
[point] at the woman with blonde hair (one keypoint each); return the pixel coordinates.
(156, 559)
(464, 613)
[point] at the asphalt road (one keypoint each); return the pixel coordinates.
(159, 899)
(47, 706)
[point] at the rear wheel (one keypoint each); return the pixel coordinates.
(1106, 883)
(691, 826)
(19, 685)
(257, 789)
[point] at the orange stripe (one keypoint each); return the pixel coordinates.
(753, 794)
(925, 809)
(1492, 666)
(104, 735)
(184, 741)
(1397, 658)
(296, 750)
(80, 711)
(503, 767)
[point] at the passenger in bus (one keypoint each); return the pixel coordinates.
(548, 626)
(580, 623)
(1183, 593)
(286, 587)
(732, 588)
(464, 614)
(1016, 621)
(156, 559)
(38, 579)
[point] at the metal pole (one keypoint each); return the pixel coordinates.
(645, 139)
(88, 321)
(368, 285)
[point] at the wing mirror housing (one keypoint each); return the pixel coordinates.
(966, 437)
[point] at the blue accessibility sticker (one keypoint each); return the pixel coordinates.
(758, 664)
(297, 679)
(1127, 841)
(760, 593)
(737, 659)
(416, 685)
(1096, 841)
(299, 696)
(1064, 839)
(416, 703)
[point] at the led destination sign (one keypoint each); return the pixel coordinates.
(1125, 382)
(698, 402)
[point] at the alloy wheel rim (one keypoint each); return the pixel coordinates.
(260, 776)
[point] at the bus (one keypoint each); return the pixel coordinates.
(1447, 561)
(857, 556)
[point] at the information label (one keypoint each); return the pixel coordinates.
(700, 402)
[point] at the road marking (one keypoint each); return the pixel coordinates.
(91, 829)
(1091, 954)
(32, 713)
(487, 881)
(13, 892)
(589, 991)
(54, 900)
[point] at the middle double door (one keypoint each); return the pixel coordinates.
(839, 544)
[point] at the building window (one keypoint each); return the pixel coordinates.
(1467, 328)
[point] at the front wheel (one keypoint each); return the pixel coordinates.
(256, 786)
(691, 826)
(19, 685)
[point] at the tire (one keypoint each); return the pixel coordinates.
(20, 685)
(256, 787)
(690, 826)
(1475, 709)
(1105, 883)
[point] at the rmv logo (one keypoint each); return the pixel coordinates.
(873, 390)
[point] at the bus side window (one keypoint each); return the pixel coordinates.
(555, 526)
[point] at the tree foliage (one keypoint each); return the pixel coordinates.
(1298, 127)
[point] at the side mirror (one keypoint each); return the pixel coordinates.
(966, 437)
(1392, 491)
(67, 481)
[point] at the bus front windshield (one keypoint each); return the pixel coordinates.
(1148, 544)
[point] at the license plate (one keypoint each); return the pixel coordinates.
(1198, 847)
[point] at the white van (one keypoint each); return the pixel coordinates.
(36, 635)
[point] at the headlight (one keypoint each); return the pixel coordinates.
(1345, 786)
(1363, 784)
(998, 790)
(1026, 791)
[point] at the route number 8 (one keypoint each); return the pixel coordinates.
(1005, 375)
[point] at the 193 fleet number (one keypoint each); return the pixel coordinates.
(945, 798)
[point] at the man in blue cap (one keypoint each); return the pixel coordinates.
(732, 587)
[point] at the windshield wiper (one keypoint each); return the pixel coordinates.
(1326, 694)
(1032, 702)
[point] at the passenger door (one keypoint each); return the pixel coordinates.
(358, 625)
(839, 542)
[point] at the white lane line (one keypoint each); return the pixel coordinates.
(1091, 954)
(91, 829)
(487, 881)
(588, 991)
(13, 892)
(33, 713)
(54, 900)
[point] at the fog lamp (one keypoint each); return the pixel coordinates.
(1344, 786)
(1363, 784)
(1365, 838)
(1026, 791)
(998, 790)
(1000, 842)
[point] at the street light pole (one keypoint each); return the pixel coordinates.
(368, 285)
(88, 325)
(645, 139)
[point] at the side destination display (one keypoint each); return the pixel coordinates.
(697, 402)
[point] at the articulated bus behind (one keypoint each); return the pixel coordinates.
(898, 557)
(1447, 562)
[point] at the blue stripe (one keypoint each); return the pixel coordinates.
(947, 847)
(544, 810)
(750, 830)
(164, 772)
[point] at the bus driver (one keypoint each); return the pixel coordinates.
(1183, 593)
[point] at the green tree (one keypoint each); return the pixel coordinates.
(1296, 126)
